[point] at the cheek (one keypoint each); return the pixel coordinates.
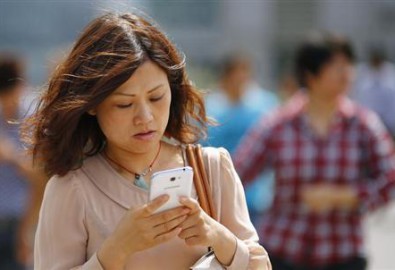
(110, 123)
(164, 111)
(350, 75)
(163, 114)
(330, 79)
(104, 125)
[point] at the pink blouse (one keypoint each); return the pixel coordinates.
(81, 209)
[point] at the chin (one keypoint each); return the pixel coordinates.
(139, 149)
(144, 145)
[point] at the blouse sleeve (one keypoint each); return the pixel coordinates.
(234, 215)
(61, 235)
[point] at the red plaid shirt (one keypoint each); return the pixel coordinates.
(358, 152)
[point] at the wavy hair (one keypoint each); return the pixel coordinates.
(61, 133)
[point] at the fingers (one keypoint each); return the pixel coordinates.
(167, 236)
(191, 204)
(169, 226)
(154, 205)
(166, 216)
(188, 233)
(192, 220)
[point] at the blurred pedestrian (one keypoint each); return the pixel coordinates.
(21, 185)
(333, 161)
(236, 105)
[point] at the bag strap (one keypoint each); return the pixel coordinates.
(194, 155)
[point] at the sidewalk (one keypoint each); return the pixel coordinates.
(380, 238)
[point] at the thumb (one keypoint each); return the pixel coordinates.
(190, 203)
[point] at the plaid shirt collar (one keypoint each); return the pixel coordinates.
(295, 112)
(296, 106)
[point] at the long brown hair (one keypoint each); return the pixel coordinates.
(61, 133)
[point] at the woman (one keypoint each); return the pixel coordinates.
(99, 132)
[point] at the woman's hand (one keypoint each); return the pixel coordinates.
(200, 229)
(139, 230)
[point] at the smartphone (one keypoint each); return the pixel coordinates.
(175, 183)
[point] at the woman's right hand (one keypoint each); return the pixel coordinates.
(141, 229)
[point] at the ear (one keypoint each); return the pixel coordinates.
(92, 112)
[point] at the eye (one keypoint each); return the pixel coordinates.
(155, 99)
(123, 106)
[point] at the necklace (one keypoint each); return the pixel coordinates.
(137, 176)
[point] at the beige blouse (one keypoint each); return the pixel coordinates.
(81, 209)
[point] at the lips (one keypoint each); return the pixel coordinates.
(145, 136)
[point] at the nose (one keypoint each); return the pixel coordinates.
(143, 115)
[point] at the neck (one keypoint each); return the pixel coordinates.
(320, 106)
(232, 91)
(133, 162)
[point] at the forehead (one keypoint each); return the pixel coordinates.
(340, 57)
(336, 60)
(147, 76)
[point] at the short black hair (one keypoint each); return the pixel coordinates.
(11, 72)
(231, 61)
(317, 51)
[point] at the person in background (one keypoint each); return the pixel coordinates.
(17, 213)
(333, 161)
(375, 87)
(236, 105)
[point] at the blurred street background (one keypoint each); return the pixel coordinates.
(254, 39)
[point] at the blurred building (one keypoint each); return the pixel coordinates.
(204, 29)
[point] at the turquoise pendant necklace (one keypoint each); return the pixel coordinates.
(138, 177)
(140, 182)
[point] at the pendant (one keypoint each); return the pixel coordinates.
(140, 182)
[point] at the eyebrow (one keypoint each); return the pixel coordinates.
(133, 95)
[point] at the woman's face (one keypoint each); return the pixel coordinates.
(135, 116)
(335, 77)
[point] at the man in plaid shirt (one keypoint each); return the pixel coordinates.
(333, 160)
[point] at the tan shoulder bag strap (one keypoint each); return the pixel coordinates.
(195, 159)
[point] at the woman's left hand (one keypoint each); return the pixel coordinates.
(200, 229)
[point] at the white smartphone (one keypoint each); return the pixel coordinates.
(175, 183)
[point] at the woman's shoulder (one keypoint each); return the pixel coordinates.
(216, 153)
(63, 194)
(62, 184)
(217, 159)
(74, 178)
